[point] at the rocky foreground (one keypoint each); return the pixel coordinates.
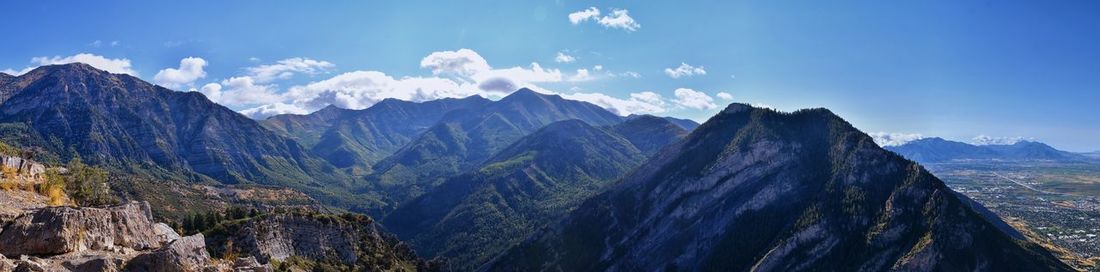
(117, 238)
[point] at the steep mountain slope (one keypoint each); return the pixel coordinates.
(472, 217)
(464, 139)
(685, 124)
(121, 121)
(305, 128)
(931, 150)
(356, 139)
(755, 189)
(649, 133)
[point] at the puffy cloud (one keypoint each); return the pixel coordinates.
(118, 66)
(581, 75)
(598, 67)
(287, 68)
(534, 74)
(638, 103)
(191, 69)
(990, 140)
(620, 18)
(685, 70)
(265, 111)
(694, 99)
(361, 89)
(724, 96)
(893, 138)
(590, 13)
(464, 62)
(241, 91)
(564, 58)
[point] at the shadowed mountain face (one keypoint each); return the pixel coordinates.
(121, 121)
(464, 139)
(357, 139)
(649, 133)
(755, 189)
(471, 218)
(930, 150)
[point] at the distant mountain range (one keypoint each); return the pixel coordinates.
(536, 182)
(357, 139)
(931, 150)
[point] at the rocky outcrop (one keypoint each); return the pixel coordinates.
(352, 241)
(23, 167)
(185, 254)
(59, 230)
(118, 238)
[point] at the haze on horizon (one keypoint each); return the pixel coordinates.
(949, 69)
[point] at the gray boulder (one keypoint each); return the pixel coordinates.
(185, 254)
(60, 230)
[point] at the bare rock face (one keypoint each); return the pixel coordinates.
(185, 254)
(5, 264)
(60, 230)
(23, 167)
(352, 241)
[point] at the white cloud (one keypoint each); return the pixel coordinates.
(685, 70)
(564, 58)
(598, 67)
(631, 74)
(361, 89)
(638, 103)
(118, 66)
(694, 99)
(13, 72)
(533, 74)
(763, 106)
(893, 138)
(724, 96)
(581, 75)
(620, 18)
(286, 68)
(456, 74)
(241, 91)
(990, 140)
(191, 69)
(265, 111)
(590, 13)
(464, 62)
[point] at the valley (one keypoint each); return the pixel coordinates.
(1057, 200)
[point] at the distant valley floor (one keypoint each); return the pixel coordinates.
(1058, 201)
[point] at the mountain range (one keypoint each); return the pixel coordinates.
(755, 189)
(931, 150)
(472, 217)
(534, 182)
(118, 120)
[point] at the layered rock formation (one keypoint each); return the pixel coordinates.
(349, 242)
(117, 238)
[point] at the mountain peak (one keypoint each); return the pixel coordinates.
(525, 94)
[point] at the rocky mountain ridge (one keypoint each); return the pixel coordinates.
(755, 189)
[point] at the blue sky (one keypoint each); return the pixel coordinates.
(955, 69)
